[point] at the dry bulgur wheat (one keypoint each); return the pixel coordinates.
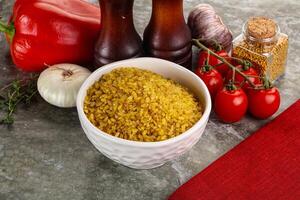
(140, 105)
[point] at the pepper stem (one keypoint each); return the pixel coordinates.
(8, 29)
(199, 45)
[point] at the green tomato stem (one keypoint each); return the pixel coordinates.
(235, 69)
(216, 45)
(266, 83)
(233, 75)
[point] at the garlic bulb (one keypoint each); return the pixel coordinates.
(206, 25)
(59, 84)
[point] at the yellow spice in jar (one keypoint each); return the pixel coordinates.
(263, 45)
(136, 104)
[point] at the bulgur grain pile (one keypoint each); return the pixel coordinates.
(140, 105)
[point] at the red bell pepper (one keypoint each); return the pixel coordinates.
(47, 32)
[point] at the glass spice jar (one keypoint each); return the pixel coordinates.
(264, 45)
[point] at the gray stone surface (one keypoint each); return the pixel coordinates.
(46, 155)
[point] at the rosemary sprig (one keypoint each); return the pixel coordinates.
(14, 93)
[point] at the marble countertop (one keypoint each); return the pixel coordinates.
(46, 155)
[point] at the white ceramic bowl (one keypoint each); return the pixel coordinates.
(146, 155)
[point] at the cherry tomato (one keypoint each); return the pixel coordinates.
(239, 79)
(212, 79)
(203, 56)
(214, 61)
(263, 103)
(223, 68)
(231, 105)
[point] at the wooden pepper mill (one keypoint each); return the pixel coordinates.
(118, 38)
(167, 35)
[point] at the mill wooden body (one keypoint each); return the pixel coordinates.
(167, 35)
(118, 38)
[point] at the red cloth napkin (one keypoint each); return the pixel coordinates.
(266, 166)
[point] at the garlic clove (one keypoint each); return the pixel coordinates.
(205, 24)
(59, 84)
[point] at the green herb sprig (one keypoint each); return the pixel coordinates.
(15, 93)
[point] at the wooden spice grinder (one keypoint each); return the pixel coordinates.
(118, 38)
(167, 35)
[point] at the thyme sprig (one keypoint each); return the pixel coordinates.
(20, 91)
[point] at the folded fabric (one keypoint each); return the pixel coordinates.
(266, 166)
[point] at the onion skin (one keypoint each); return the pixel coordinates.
(206, 25)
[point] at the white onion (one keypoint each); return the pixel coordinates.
(59, 84)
